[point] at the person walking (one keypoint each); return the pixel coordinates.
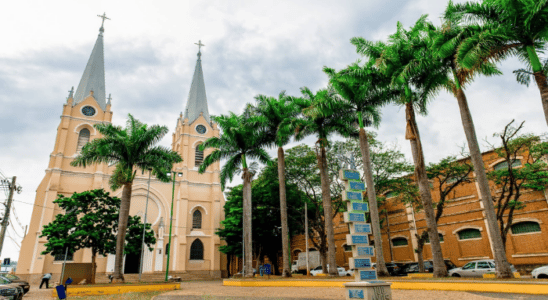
(45, 279)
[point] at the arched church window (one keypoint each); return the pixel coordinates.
(198, 156)
(197, 250)
(197, 219)
(83, 138)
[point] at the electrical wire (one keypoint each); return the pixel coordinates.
(12, 227)
(14, 241)
(182, 227)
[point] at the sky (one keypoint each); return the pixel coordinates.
(251, 48)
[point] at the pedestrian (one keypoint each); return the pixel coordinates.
(45, 279)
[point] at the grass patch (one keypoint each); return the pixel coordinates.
(128, 296)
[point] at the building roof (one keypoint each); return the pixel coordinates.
(93, 79)
(197, 100)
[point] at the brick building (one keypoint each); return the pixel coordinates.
(462, 227)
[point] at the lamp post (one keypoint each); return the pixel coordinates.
(171, 219)
(144, 228)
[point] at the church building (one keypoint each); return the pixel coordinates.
(198, 199)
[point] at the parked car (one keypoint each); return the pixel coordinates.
(254, 272)
(476, 269)
(540, 273)
(318, 270)
(10, 291)
(394, 269)
(16, 280)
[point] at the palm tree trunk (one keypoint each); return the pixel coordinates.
(374, 210)
(125, 203)
(543, 88)
(283, 211)
(440, 270)
(389, 238)
(247, 223)
(502, 267)
(328, 212)
(420, 255)
(540, 78)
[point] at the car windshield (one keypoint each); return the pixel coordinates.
(468, 266)
(10, 276)
(318, 268)
(4, 281)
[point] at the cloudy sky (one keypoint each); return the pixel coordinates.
(252, 47)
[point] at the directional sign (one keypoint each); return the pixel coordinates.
(360, 228)
(358, 206)
(7, 262)
(353, 217)
(367, 275)
(267, 269)
(359, 263)
(355, 239)
(348, 196)
(365, 251)
(349, 175)
(355, 185)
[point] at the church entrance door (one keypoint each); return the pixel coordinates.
(133, 261)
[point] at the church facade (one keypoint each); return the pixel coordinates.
(197, 198)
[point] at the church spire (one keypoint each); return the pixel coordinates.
(93, 79)
(197, 100)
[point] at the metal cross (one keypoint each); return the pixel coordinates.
(104, 17)
(199, 45)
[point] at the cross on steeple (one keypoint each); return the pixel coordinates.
(104, 17)
(199, 47)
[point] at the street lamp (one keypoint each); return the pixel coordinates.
(144, 228)
(179, 174)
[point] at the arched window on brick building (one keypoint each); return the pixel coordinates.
(198, 156)
(504, 165)
(399, 242)
(469, 233)
(525, 227)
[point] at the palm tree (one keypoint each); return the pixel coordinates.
(275, 119)
(522, 30)
(331, 120)
(129, 149)
(238, 143)
(446, 45)
(362, 89)
(407, 62)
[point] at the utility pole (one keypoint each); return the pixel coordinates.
(5, 220)
(306, 237)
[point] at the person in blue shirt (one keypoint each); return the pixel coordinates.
(45, 279)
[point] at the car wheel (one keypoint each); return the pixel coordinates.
(455, 275)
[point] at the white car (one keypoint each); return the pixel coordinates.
(318, 270)
(540, 273)
(476, 269)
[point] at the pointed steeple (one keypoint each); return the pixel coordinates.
(196, 104)
(93, 79)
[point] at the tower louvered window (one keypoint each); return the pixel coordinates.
(197, 250)
(83, 138)
(198, 156)
(197, 220)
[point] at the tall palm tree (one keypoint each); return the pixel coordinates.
(522, 30)
(238, 143)
(364, 91)
(406, 61)
(331, 120)
(275, 119)
(446, 44)
(129, 149)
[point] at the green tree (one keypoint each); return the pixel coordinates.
(521, 30)
(265, 207)
(513, 179)
(89, 221)
(302, 171)
(407, 61)
(239, 141)
(331, 120)
(275, 119)
(364, 90)
(129, 149)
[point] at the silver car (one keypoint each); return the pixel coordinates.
(540, 273)
(476, 269)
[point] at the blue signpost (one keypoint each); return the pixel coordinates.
(366, 285)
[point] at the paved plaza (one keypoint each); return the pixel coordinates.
(214, 290)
